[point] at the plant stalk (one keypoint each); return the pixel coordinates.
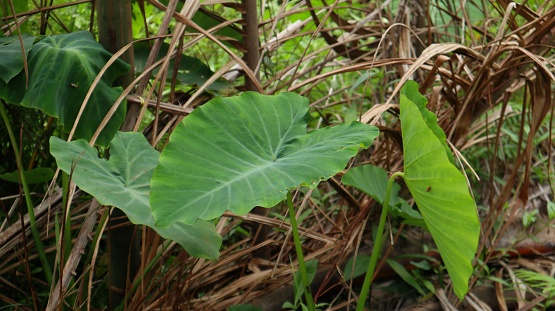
(300, 258)
(377, 245)
(28, 200)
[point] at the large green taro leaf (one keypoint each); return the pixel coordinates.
(123, 181)
(61, 70)
(239, 152)
(11, 62)
(440, 191)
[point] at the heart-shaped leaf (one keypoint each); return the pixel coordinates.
(123, 181)
(239, 152)
(61, 70)
(11, 62)
(439, 189)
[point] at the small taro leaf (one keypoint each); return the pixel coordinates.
(405, 275)
(35, 176)
(206, 20)
(239, 152)
(373, 181)
(298, 288)
(11, 62)
(362, 79)
(123, 182)
(191, 70)
(141, 50)
(409, 215)
(361, 266)
(61, 70)
(410, 90)
(194, 72)
(244, 308)
(422, 265)
(442, 194)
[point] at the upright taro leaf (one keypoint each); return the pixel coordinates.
(123, 181)
(410, 90)
(61, 70)
(239, 152)
(11, 62)
(439, 189)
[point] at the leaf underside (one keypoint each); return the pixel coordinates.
(441, 192)
(239, 152)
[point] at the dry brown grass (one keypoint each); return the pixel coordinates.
(472, 71)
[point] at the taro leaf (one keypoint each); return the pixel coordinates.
(373, 181)
(411, 91)
(191, 70)
(11, 62)
(409, 216)
(361, 263)
(239, 152)
(405, 275)
(61, 70)
(298, 288)
(123, 182)
(441, 192)
(35, 176)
